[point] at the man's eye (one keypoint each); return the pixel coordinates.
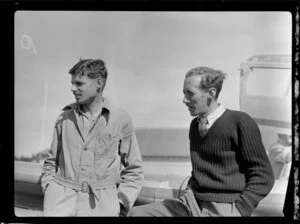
(188, 94)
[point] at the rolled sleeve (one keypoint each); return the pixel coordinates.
(280, 153)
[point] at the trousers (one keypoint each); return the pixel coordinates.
(64, 201)
(185, 206)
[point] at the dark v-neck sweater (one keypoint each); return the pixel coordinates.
(230, 163)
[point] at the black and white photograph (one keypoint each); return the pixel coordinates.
(152, 113)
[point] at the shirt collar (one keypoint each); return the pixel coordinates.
(106, 106)
(216, 113)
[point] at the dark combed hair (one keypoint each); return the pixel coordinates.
(92, 68)
(209, 78)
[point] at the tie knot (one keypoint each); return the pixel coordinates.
(202, 120)
(202, 126)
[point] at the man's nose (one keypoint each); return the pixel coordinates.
(185, 100)
(73, 88)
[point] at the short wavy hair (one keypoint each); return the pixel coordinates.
(209, 78)
(92, 68)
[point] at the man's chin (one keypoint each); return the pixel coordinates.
(193, 114)
(84, 102)
(80, 102)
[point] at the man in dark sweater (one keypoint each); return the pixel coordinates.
(231, 172)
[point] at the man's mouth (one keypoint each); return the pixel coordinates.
(191, 108)
(77, 96)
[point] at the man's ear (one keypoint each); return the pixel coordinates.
(212, 93)
(100, 82)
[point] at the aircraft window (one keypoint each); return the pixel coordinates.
(269, 82)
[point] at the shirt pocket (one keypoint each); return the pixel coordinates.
(106, 146)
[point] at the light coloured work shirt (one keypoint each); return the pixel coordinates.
(105, 150)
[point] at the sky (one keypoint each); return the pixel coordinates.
(147, 55)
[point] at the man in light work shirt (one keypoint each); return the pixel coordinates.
(231, 172)
(94, 166)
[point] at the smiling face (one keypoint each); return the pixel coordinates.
(195, 98)
(84, 89)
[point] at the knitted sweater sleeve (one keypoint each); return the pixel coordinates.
(256, 165)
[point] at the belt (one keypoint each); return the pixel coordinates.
(84, 186)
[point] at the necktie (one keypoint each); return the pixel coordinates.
(202, 126)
